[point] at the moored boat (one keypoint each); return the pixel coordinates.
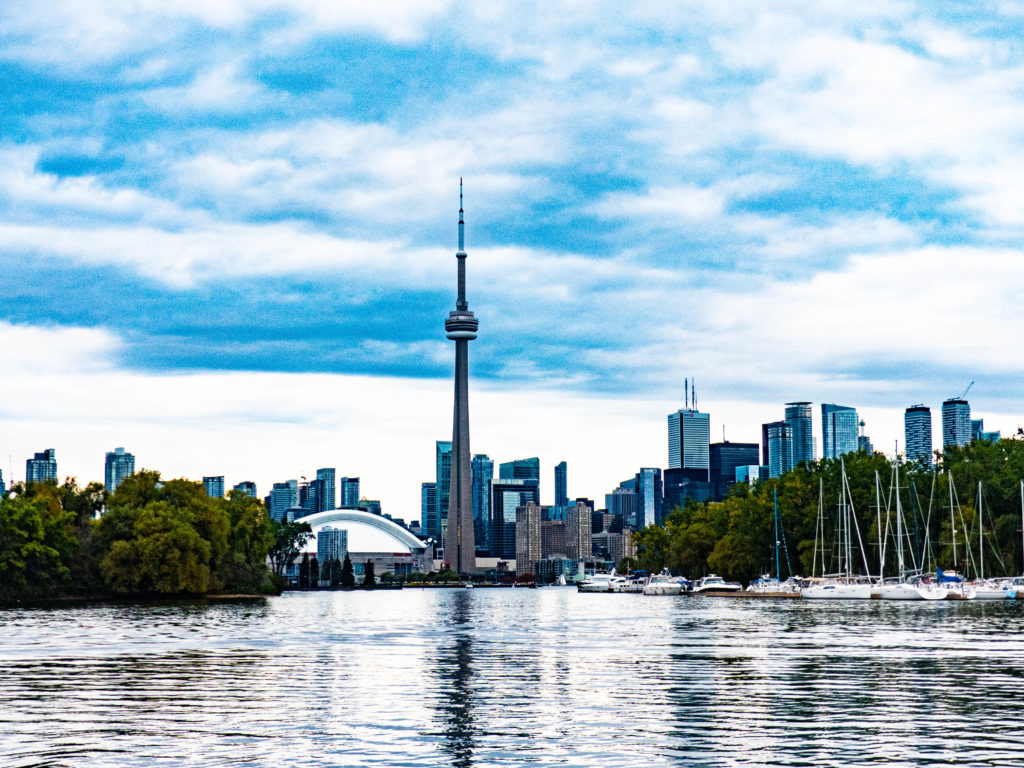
(663, 584)
(715, 583)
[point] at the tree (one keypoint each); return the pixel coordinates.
(348, 577)
(251, 536)
(304, 567)
(36, 544)
(289, 539)
(314, 572)
(368, 576)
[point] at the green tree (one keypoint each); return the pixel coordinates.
(314, 572)
(289, 539)
(251, 536)
(36, 545)
(348, 577)
(304, 568)
(368, 575)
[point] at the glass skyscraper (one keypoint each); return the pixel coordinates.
(42, 466)
(778, 443)
(917, 432)
(956, 422)
(689, 435)
(561, 476)
(349, 492)
(438, 523)
(119, 465)
(800, 418)
(839, 425)
(508, 494)
(325, 493)
(214, 486)
(482, 471)
(428, 502)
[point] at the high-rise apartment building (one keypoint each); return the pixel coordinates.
(331, 544)
(800, 417)
(438, 523)
(214, 486)
(956, 422)
(778, 447)
(483, 472)
(839, 425)
(248, 487)
(578, 532)
(647, 485)
(689, 438)
(917, 431)
(349, 487)
(326, 500)
(119, 465)
(528, 541)
(561, 476)
(283, 496)
(41, 467)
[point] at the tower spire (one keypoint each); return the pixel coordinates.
(462, 223)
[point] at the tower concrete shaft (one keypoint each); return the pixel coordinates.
(461, 327)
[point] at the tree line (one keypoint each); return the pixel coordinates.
(153, 538)
(736, 538)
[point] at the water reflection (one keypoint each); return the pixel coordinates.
(454, 672)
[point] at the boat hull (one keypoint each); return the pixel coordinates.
(839, 592)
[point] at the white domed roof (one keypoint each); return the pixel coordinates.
(367, 532)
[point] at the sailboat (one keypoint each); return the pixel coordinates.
(982, 588)
(767, 586)
(844, 585)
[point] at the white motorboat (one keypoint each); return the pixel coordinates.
(663, 584)
(768, 585)
(987, 589)
(899, 590)
(633, 583)
(839, 589)
(600, 582)
(715, 583)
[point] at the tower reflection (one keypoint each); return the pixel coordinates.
(455, 678)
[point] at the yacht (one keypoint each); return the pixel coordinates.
(633, 583)
(714, 583)
(769, 585)
(600, 582)
(839, 589)
(663, 584)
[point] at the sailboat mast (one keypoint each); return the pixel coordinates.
(1022, 521)
(899, 522)
(952, 517)
(775, 503)
(981, 541)
(878, 524)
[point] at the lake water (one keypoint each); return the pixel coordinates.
(513, 677)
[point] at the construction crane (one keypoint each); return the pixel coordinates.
(964, 393)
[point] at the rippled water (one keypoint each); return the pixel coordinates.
(513, 677)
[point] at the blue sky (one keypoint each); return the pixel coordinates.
(782, 202)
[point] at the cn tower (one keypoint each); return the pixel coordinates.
(461, 325)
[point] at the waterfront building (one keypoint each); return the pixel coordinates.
(331, 544)
(119, 464)
(577, 532)
(725, 457)
(41, 467)
(392, 548)
(214, 486)
(799, 417)
(689, 437)
(956, 422)
(437, 525)
(528, 539)
(917, 431)
(248, 487)
(507, 495)
(325, 497)
(283, 496)
(839, 425)
(349, 492)
(483, 472)
(778, 443)
(680, 484)
(561, 494)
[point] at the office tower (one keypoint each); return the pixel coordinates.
(521, 469)
(838, 430)
(724, 458)
(622, 502)
(428, 503)
(443, 480)
(349, 487)
(248, 487)
(483, 473)
(331, 544)
(461, 327)
(214, 486)
(956, 422)
(561, 477)
(283, 496)
(507, 495)
(41, 467)
(119, 465)
(577, 532)
(778, 439)
(799, 417)
(917, 431)
(647, 485)
(689, 436)
(528, 544)
(864, 444)
(678, 485)
(326, 499)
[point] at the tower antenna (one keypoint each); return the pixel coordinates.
(686, 388)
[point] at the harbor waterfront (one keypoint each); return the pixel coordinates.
(512, 677)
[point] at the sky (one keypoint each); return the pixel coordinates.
(227, 228)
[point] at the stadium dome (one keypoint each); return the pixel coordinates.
(372, 537)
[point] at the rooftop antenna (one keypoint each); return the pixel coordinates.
(686, 386)
(695, 396)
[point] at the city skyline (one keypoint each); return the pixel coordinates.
(225, 242)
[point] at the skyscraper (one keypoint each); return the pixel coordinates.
(956, 422)
(528, 542)
(917, 432)
(799, 417)
(507, 495)
(689, 437)
(119, 465)
(778, 443)
(521, 469)
(349, 492)
(3, 488)
(725, 457)
(561, 494)
(838, 430)
(41, 467)
(483, 473)
(578, 532)
(248, 487)
(283, 496)
(437, 525)
(214, 486)
(647, 485)
(428, 503)
(461, 327)
(326, 499)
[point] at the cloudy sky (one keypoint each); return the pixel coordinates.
(227, 228)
